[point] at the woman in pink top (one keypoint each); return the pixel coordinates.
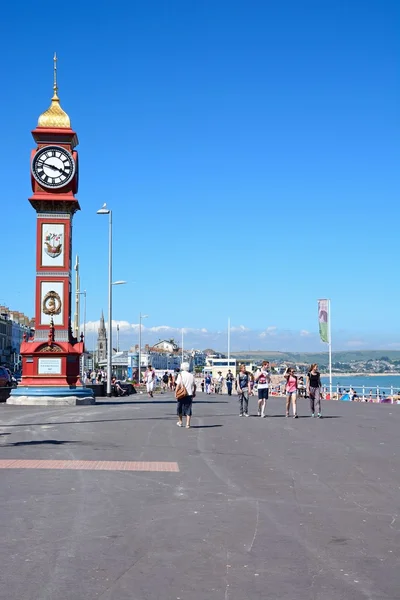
(291, 392)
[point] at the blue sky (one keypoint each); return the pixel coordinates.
(249, 151)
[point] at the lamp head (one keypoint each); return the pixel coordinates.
(104, 210)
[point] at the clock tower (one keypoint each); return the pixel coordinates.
(51, 360)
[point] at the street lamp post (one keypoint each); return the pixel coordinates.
(84, 323)
(140, 342)
(107, 211)
(117, 337)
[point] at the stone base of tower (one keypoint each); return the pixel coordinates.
(51, 396)
(50, 374)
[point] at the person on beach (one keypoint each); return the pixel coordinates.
(184, 405)
(149, 378)
(242, 388)
(291, 392)
(229, 380)
(263, 379)
(313, 386)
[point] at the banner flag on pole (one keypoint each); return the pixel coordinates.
(323, 320)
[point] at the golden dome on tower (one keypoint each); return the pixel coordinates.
(54, 116)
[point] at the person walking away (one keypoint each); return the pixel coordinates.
(164, 384)
(149, 378)
(291, 392)
(313, 386)
(184, 405)
(202, 385)
(229, 381)
(263, 379)
(171, 382)
(208, 380)
(242, 388)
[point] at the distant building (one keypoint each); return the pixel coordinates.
(13, 326)
(165, 346)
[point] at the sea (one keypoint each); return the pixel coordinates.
(384, 382)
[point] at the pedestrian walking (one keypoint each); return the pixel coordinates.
(219, 383)
(263, 379)
(149, 378)
(176, 373)
(242, 388)
(291, 392)
(164, 382)
(184, 404)
(313, 385)
(229, 381)
(208, 381)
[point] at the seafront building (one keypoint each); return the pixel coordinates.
(13, 326)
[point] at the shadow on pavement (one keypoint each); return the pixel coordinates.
(204, 426)
(160, 402)
(42, 443)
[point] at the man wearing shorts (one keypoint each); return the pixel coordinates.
(263, 379)
(184, 405)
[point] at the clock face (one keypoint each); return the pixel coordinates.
(53, 167)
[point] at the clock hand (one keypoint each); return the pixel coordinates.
(42, 162)
(66, 173)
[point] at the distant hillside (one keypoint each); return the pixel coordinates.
(318, 357)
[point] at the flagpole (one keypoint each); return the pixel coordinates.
(330, 349)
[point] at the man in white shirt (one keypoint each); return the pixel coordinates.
(219, 384)
(263, 379)
(184, 405)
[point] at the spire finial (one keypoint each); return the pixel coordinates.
(54, 116)
(55, 88)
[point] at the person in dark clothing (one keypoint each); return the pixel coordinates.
(229, 381)
(314, 389)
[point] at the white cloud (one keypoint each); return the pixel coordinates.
(269, 332)
(161, 328)
(305, 333)
(240, 328)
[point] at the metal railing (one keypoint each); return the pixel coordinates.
(363, 393)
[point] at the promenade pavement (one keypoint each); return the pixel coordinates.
(248, 509)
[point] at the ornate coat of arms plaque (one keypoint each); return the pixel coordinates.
(53, 244)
